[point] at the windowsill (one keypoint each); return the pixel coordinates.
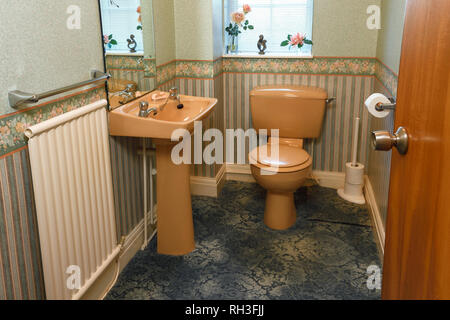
(269, 55)
(124, 53)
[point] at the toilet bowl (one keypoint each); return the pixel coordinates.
(282, 165)
(281, 178)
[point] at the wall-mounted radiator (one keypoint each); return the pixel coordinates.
(71, 169)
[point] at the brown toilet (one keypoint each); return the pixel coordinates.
(298, 112)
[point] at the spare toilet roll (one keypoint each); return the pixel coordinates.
(354, 174)
(354, 184)
(372, 102)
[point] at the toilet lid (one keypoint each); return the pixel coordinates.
(288, 156)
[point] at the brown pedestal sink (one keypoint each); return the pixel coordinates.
(175, 223)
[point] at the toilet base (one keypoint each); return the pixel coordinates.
(280, 212)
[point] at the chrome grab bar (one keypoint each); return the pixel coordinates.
(18, 98)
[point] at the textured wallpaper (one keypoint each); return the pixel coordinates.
(194, 29)
(390, 36)
(340, 30)
(39, 52)
(164, 24)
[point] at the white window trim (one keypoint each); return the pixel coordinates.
(268, 55)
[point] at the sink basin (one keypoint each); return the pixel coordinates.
(124, 121)
(175, 222)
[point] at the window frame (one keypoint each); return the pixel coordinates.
(228, 9)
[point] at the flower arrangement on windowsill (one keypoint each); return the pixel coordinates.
(239, 22)
(297, 40)
(109, 41)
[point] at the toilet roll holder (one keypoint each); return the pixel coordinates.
(380, 107)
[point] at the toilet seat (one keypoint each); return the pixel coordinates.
(291, 158)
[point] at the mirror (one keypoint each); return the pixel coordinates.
(128, 38)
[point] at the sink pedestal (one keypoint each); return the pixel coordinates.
(175, 222)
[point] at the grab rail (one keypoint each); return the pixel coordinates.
(18, 98)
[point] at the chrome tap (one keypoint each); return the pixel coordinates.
(128, 94)
(173, 95)
(144, 111)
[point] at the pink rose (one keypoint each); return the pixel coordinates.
(237, 17)
(246, 8)
(297, 39)
(105, 39)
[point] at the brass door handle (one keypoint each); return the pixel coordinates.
(385, 141)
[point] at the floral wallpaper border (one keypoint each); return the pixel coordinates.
(209, 69)
(149, 68)
(136, 63)
(166, 72)
(13, 126)
(387, 77)
(217, 67)
(195, 69)
(329, 66)
(125, 62)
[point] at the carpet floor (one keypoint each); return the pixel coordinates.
(325, 255)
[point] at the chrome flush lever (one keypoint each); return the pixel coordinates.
(330, 100)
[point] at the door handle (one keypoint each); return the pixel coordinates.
(385, 141)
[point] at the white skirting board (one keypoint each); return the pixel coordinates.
(242, 172)
(209, 187)
(328, 179)
(239, 172)
(375, 215)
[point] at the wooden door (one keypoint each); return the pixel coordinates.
(417, 253)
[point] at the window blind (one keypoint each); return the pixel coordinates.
(275, 19)
(120, 18)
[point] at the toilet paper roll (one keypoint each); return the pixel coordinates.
(354, 174)
(372, 102)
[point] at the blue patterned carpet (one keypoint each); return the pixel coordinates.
(324, 256)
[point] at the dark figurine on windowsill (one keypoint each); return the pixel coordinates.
(132, 44)
(262, 45)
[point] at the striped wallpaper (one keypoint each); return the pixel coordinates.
(127, 172)
(380, 162)
(205, 88)
(21, 275)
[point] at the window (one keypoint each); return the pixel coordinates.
(121, 19)
(275, 19)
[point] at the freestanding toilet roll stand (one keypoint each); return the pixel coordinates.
(379, 106)
(354, 173)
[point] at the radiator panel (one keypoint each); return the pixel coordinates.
(71, 170)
